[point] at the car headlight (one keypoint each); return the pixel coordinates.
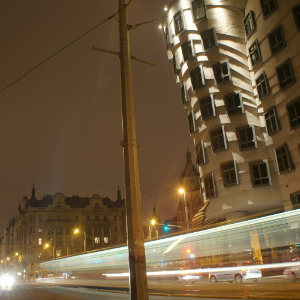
(7, 281)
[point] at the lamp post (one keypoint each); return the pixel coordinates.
(77, 231)
(182, 191)
(153, 223)
(48, 246)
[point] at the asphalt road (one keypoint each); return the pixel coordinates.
(271, 291)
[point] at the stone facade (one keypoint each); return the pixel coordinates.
(239, 69)
(44, 229)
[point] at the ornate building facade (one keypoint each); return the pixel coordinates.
(190, 200)
(238, 67)
(44, 229)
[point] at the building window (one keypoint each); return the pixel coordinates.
(268, 6)
(234, 104)
(40, 218)
(207, 107)
(68, 230)
(293, 109)
(262, 86)
(276, 39)
(50, 230)
(284, 159)
(249, 23)
(259, 173)
(209, 38)
(96, 218)
(296, 12)
(254, 53)
(198, 10)
(184, 95)
(97, 240)
(218, 140)
(197, 78)
(222, 72)
(285, 74)
(246, 137)
(76, 218)
(58, 218)
(40, 241)
(40, 229)
(188, 50)
(167, 35)
(176, 71)
(105, 239)
(295, 198)
(68, 218)
(192, 122)
(209, 185)
(87, 218)
(96, 205)
(59, 230)
(178, 22)
(31, 229)
(200, 151)
(272, 121)
(229, 174)
(31, 218)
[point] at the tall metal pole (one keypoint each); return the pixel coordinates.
(186, 212)
(135, 235)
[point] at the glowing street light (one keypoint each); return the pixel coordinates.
(46, 246)
(182, 191)
(77, 231)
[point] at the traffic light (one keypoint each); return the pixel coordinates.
(166, 227)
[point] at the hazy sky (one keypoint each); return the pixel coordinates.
(61, 123)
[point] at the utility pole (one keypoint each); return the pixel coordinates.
(137, 258)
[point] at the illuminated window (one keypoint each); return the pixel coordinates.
(272, 121)
(284, 159)
(222, 72)
(40, 229)
(249, 23)
(234, 104)
(178, 22)
(197, 78)
(200, 151)
(40, 241)
(188, 50)
(246, 137)
(105, 239)
(207, 107)
(254, 53)
(229, 173)
(209, 185)
(259, 173)
(296, 12)
(218, 140)
(97, 240)
(209, 38)
(268, 6)
(285, 74)
(262, 86)
(192, 122)
(295, 198)
(198, 10)
(276, 39)
(293, 109)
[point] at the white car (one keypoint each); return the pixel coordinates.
(236, 272)
(292, 273)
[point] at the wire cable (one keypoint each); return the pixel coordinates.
(68, 45)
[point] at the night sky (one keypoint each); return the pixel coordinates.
(61, 123)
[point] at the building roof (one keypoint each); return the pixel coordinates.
(189, 169)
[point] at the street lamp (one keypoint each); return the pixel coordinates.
(182, 191)
(153, 223)
(48, 246)
(77, 231)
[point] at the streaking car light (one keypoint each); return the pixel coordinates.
(193, 271)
